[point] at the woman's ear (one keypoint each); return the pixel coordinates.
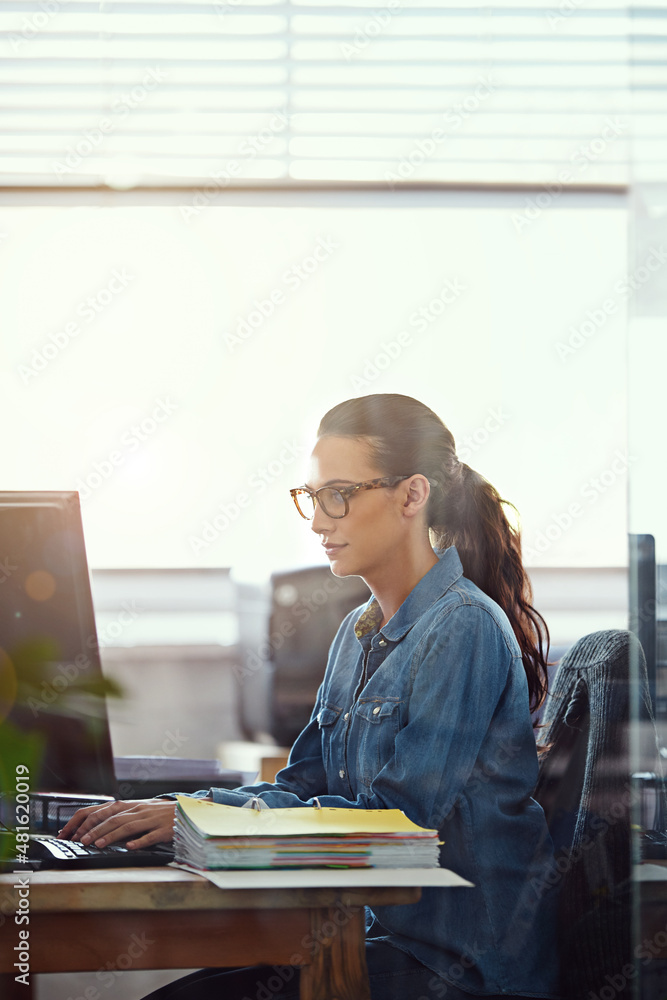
(417, 490)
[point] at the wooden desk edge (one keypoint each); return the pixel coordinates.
(162, 889)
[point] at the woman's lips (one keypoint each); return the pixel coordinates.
(331, 550)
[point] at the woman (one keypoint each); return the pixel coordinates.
(424, 707)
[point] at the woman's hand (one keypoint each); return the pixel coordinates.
(152, 819)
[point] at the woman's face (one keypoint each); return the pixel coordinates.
(365, 541)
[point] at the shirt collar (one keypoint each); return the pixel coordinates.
(432, 586)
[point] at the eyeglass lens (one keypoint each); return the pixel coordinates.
(331, 501)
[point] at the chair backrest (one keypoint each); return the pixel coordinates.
(585, 788)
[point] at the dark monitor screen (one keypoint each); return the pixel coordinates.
(51, 706)
(643, 607)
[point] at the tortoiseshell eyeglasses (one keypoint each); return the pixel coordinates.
(333, 500)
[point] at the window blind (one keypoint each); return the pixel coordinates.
(172, 92)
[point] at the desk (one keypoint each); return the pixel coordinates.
(167, 918)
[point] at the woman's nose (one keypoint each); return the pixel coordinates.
(321, 522)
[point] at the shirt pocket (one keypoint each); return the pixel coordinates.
(378, 722)
(327, 717)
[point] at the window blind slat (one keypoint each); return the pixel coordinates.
(170, 91)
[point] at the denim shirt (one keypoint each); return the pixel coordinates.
(430, 715)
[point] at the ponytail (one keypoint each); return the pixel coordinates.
(464, 509)
(468, 512)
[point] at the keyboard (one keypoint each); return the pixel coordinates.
(48, 852)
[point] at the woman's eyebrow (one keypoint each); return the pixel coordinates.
(330, 482)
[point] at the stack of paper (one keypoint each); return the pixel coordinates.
(211, 835)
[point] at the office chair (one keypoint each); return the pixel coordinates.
(307, 607)
(286, 667)
(585, 789)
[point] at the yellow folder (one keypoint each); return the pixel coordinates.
(213, 819)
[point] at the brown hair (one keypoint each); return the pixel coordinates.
(464, 510)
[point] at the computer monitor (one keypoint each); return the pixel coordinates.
(50, 671)
(307, 607)
(643, 609)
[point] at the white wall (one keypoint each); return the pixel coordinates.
(525, 361)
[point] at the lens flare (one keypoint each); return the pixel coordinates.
(40, 585)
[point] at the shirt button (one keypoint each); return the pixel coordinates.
(382, 642)
(341, 773)
(376, 710)
(346, 716)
